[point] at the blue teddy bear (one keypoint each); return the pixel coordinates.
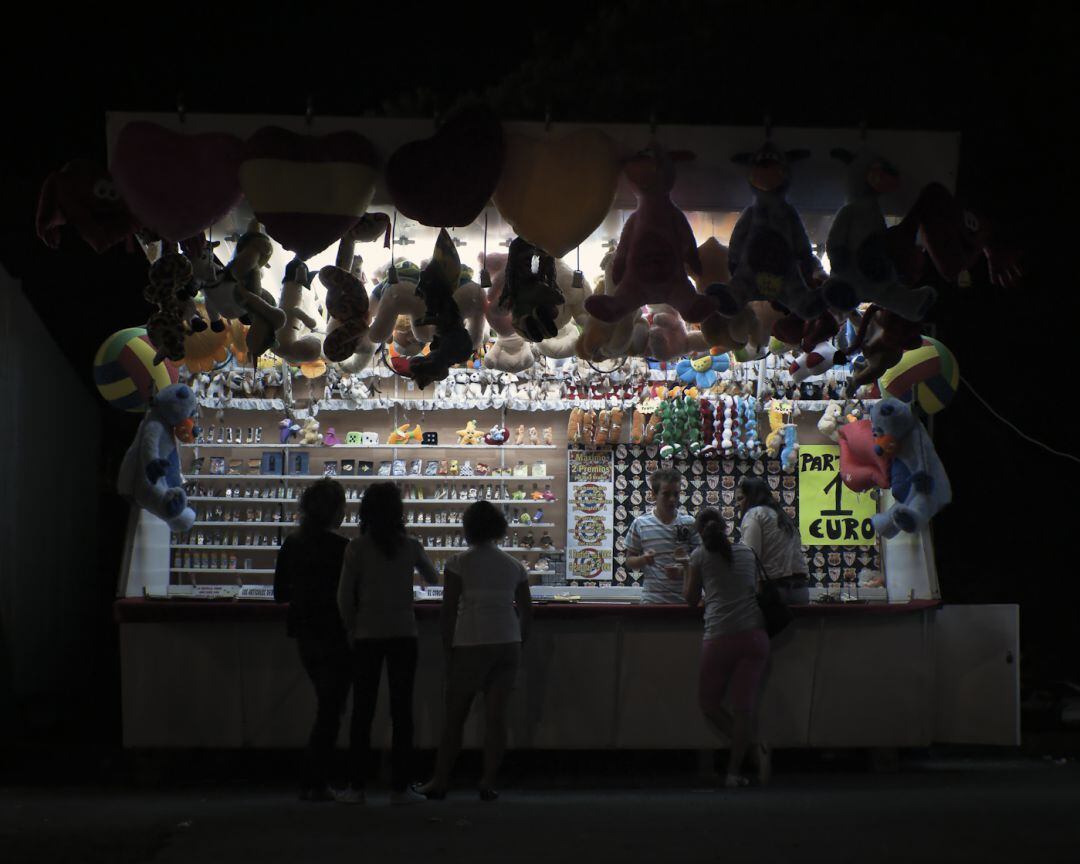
(920, 485)
(150, 471)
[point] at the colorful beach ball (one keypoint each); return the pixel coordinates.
(125, 373)
(929, 375)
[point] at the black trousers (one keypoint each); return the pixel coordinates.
(327, 663)
(368, 658)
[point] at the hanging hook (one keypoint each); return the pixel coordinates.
(485, 276)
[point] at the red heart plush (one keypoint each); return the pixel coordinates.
(447, 180)
(177, 185)
(308, 190)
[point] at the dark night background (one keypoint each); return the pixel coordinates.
(1007, 82)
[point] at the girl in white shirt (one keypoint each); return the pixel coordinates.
(487, 609)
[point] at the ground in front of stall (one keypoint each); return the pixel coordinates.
(957, 809)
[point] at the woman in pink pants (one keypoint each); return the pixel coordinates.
(735, 647)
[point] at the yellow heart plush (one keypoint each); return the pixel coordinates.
(556, 191)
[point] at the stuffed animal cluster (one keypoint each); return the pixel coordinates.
(592, 428)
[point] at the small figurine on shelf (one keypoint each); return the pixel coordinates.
(470, 434)
(330, 438)
(497, 435)
(289, 428)
(402, 435)
(519, 439)
(548, 438)
(309, 435)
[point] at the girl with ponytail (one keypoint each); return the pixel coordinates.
(735, 647)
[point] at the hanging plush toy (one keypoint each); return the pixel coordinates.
(816, 362)
(510, 353)
(862, 467)
(555, 191)
(831, 419)
(770, 255)
(308, 190)
(150, 471)
(83, 195)
(168, 280)
(175, 184)
(708, 427)
(447, 180)
(600, 340)
(954, 237)
(530, 291)
(571, 315)
(789, 453)
(859, 261)
(920, 486)
(774, 443)
(719, 331)
(704, 371)
(346, 296)
(239, 294)
(883, 337)
(298, 341)
(750, 428)
(451, 343)
(656, 247)
(668, 335)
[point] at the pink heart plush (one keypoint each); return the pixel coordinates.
(177, 185)
(308, 190)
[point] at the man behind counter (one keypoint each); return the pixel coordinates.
(659, 543)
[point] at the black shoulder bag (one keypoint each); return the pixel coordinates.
(775, 611)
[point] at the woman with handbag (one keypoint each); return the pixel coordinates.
(774, 538)
(735, 647)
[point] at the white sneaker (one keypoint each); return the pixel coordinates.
(406, 797)
(350, 796)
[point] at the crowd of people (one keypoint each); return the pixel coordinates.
(351, 613)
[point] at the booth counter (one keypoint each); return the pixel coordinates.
(595, 676)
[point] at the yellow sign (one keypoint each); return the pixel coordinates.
(830, 514)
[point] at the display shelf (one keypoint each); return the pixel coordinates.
(425, 525)
(406, 478)
(462, 502)
(550, 551)
(261, 572)
(220, 445)
(374, 477)
(225, 522)
(214, 548)
(225, 446)
(231, 500)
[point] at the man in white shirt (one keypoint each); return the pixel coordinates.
(659, 543)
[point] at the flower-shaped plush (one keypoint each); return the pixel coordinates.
(702, 371)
